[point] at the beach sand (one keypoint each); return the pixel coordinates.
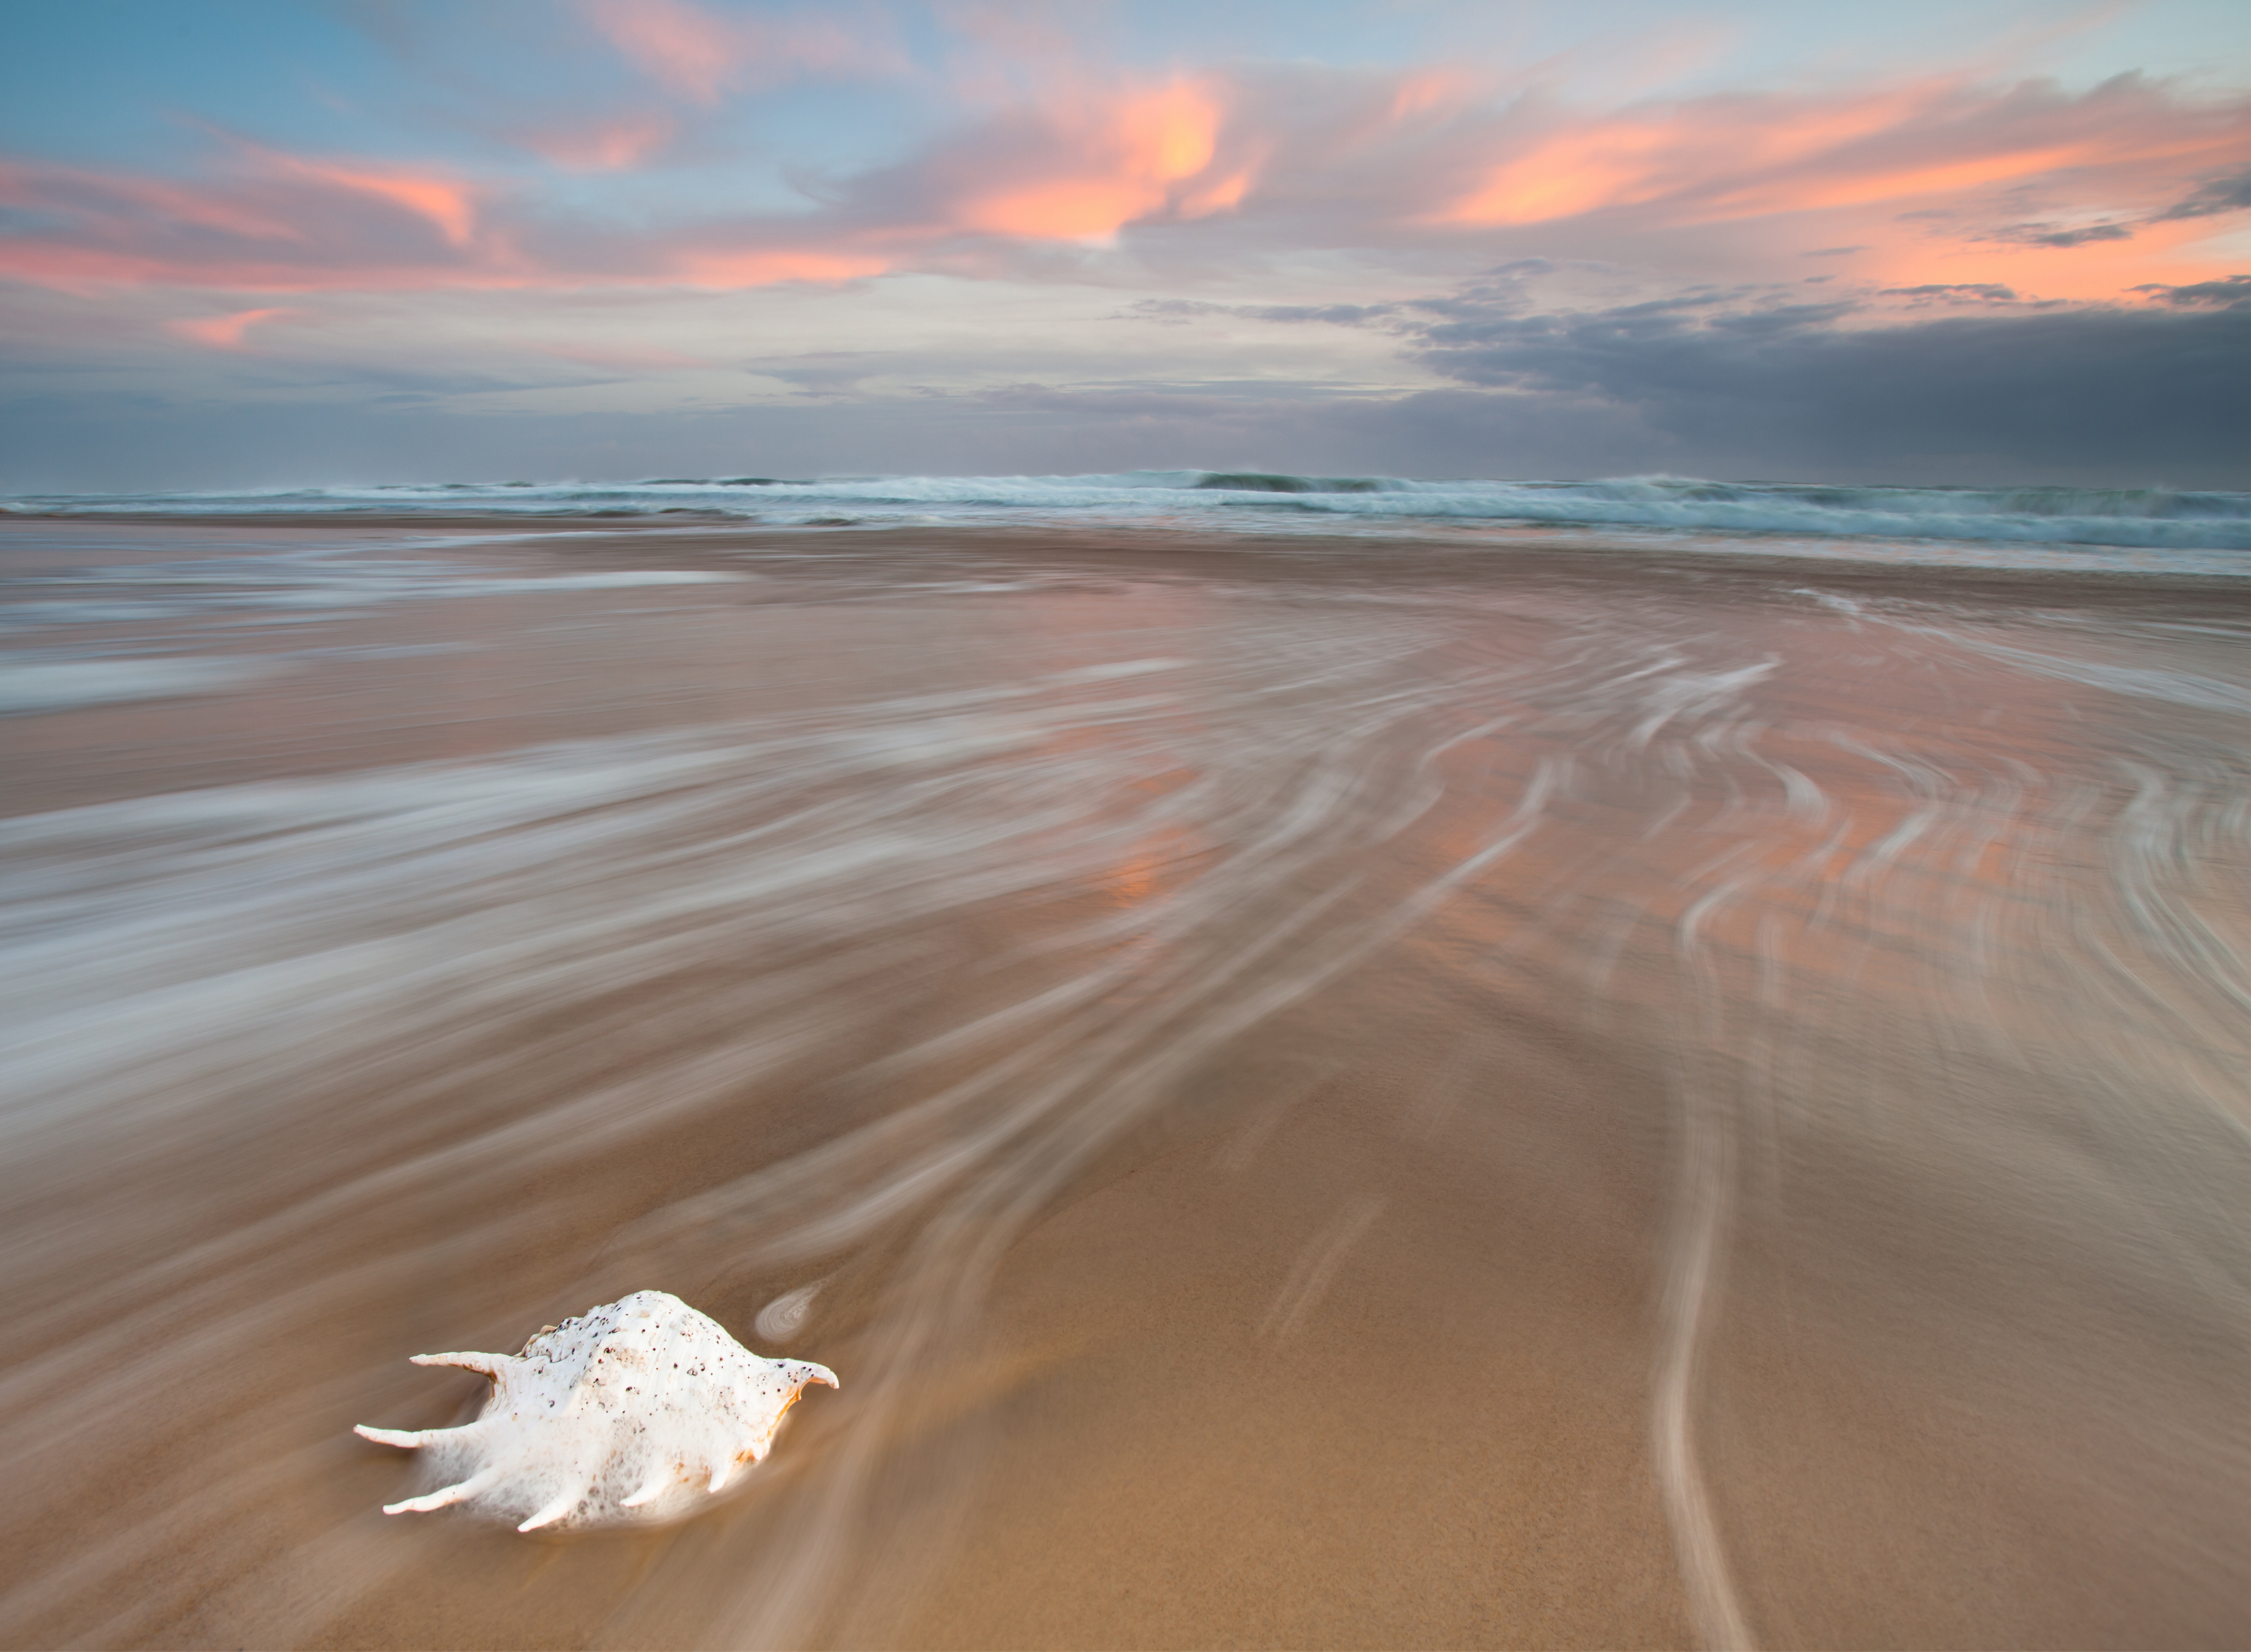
(1329, 1093)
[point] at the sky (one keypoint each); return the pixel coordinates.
(249, 244)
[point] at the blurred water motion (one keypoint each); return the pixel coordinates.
(1310, 1098)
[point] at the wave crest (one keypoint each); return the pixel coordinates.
(2209, 528)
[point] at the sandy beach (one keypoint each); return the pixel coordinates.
(1323, 1092)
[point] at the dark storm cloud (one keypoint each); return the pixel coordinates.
(2101, 392)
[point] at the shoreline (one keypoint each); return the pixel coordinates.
(1632, 555)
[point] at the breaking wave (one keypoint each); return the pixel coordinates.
(1784, 517)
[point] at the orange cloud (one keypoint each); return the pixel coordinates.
(1114, 163)
(295, 225)
(444, 202)
(1924, 175)
(279, 223)
(1717, 158)
(702, 57)
(689, 50)
(222, 332)
(1905, 183)
(1217, 196)
(1607, 164)
(1170, 132)
(604, 146)
(2099, 272)
(753, 267)
(1425, 90)
(29, 187)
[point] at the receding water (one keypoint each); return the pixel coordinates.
(1308, 1098)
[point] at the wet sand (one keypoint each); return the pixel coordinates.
(1332, 1093)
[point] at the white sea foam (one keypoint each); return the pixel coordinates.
(2203, 532)
(301, 584)
(31, 683)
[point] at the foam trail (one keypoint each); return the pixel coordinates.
(859, 919)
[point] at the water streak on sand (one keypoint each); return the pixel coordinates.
(905, 902)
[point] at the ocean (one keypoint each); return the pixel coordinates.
(2051, 527)
(1328, 1060)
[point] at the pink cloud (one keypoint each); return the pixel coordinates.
(30, 185)
(1721, 159)
(688, 50)
(702, 57)
(1925, 174)
(222, 332)
(603, 146)
(272, 221)
(766, 266)
(445, 203)
(2100, 270)
(291, 224)
(1425, 92)
(1105, 165)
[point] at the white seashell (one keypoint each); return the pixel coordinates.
(636, 1412)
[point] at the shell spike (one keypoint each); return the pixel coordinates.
(489, 1364)
(721, 1473)
(461, 1493)
(802, 1372)
(660, 1479)
(554, 1510)
(404, 1438)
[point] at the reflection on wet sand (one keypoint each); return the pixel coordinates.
(1307, 1103)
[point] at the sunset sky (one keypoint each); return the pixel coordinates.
(257, 244)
